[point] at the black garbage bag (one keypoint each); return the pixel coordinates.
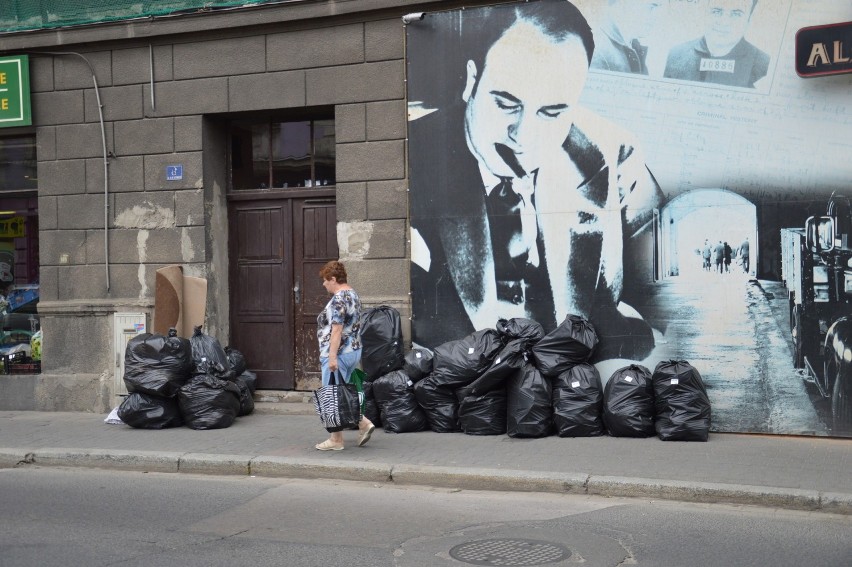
(483, 414)
(381, 341)
(572, 342)
(250, 378)
(208, 356)
(246, 399)
(439, 403)
(394, 392)
(371, 408)
(461, 362)
(236, 360)
(527, 330)
(418, 363)
(144, 411)
(578, 402)
(207, 402)
(629, 402)
(681, 403)
(529, 411)
(511, 358)
(621, 336)
(157, 365)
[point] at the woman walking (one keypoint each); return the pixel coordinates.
(339, 334)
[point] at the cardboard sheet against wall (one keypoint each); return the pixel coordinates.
(179, 301)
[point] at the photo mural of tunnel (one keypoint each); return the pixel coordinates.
(695, 222)
(616, 199)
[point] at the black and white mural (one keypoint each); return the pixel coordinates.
(655, 166)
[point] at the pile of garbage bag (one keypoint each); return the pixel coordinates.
(172, 381)
(519, 381)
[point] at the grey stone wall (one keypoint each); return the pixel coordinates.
(354, 66)
(372, 190)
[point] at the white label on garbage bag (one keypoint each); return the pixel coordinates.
(674, 381)
(417, 355)
(470, 350)
(497, 361)
(410, 383)
(575, 384)
(628, 378)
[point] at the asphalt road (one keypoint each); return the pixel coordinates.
(60, 517)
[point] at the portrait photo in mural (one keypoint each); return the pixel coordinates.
(561, 161)
(721, 54)
(725, 42)
(621, 35)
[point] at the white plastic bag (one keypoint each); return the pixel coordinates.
(113, 418)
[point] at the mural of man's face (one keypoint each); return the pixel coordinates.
(727, 22)
(519, 104)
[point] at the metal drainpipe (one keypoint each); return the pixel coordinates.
(103, 144)
(151, 67)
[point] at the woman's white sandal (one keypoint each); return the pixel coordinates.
(327, 445)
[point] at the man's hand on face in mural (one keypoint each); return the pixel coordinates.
(522, 245)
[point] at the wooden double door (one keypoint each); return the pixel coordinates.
(277, 245)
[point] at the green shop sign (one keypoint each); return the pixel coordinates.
(15, 91)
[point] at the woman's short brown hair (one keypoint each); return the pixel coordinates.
(333, 269)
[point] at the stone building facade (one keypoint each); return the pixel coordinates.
(169, 88)
(251, 144)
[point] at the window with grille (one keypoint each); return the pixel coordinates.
(282, 155)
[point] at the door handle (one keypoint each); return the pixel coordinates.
(298, 292)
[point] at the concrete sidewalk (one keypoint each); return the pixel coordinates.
(805, 473)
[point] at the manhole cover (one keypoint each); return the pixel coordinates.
(509, 552)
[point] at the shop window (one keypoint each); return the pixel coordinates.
(18, 163)
(282, 155)
(19, 255)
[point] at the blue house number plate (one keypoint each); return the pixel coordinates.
(174, 172)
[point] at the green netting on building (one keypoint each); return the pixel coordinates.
(19, 15)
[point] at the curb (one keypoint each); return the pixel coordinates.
(143, 461)
(489, 479)
(205, 463)
(435, 476)
(787, 498)
(292, 467)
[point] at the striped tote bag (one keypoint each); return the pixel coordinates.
(338, 405)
